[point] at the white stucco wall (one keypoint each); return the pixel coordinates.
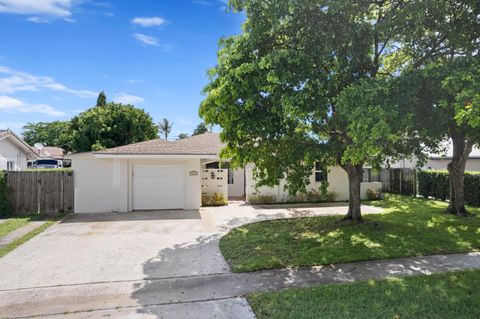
(12, 152)
(237, 189)
(473, 164)
(105, 185)
(215, 181)
(337, 180)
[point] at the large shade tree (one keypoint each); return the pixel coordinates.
(440, 57)
(308, 81)
(111, 125)
(56, 133)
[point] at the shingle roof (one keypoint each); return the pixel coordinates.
(51, 151)
(203, 144)
(9, 134)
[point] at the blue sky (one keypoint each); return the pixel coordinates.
(56, 55)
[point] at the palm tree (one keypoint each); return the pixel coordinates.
(165, 127)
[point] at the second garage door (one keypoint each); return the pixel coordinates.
(157, 187)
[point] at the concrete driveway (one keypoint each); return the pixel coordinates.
(92, 265)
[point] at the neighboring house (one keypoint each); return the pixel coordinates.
(51, 152)
(441, 160)
(14, 152)
(160, 174)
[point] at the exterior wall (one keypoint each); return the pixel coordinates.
(215, 181)
(473, 164)
(105, 185)
(337, 180)
(11, 152)
(237, 189)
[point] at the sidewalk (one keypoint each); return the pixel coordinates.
(189, 295)
(19, 233)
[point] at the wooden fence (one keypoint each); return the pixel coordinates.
(43, 192)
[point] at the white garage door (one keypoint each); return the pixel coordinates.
(157, 187)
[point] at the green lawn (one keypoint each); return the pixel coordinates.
(17, 222)
(409, 227)
(450, 295)
(12, 224)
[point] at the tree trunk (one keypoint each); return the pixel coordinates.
(456, 173)
(355, 176)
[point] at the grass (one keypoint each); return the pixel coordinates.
(449, 295)
(12, 224)
(409, 227)
(49, 222)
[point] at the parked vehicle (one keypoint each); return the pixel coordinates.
(47, 164)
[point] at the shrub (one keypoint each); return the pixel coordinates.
(374, 195)
(258, 199)
(215, 199)
(4, 205)
(435, 183)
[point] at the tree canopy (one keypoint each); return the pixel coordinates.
(309, 81)
(200, 129)
(165, 127)
(112, 125)
(55, 133)
(102, 99)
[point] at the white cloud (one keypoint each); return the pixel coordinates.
(134, 81)
(37, 19)
(149, 21)
(12, 81)
(42, 11)
(16, 126)
(12, 105)
(146, 39)
(126, 98)
(7, 102)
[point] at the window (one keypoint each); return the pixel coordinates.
(371, 175)
(366, 175)
(10, 165)
(320, 173)
(230, 176)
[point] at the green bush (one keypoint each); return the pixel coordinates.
(258, 199)
(215, 199)
(435, 183)
(4, 204)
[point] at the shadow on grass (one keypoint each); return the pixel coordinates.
(451, 295)
(409, 227)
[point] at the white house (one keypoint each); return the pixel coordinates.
(14, 152)
(441, 160)
(160, 174)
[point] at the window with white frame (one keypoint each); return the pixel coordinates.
(10, 165)
(320, 173)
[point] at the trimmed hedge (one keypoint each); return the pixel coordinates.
(435, 183)
(4, 205)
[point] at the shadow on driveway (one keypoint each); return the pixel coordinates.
(132, 216)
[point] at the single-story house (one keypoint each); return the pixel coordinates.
(441, 160)
(14, 152)
(51, 152)
(160, 174)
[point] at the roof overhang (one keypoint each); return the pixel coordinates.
(166, 156)
(20, 143)
(450, 158)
